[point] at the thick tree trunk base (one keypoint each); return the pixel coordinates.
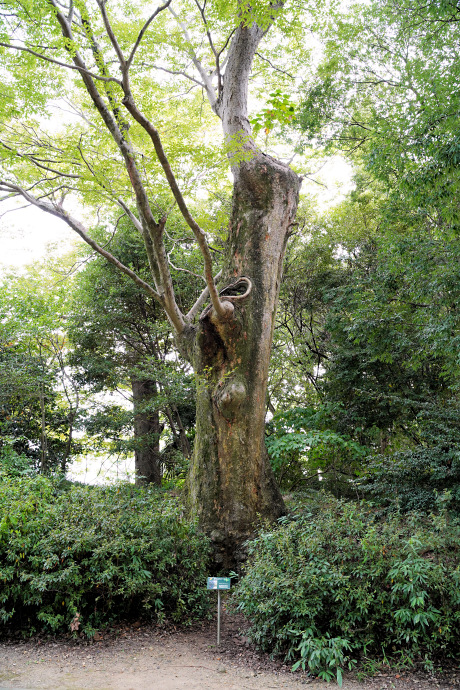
(231, 484)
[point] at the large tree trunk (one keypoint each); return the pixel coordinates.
(147, 430)
(231, 483)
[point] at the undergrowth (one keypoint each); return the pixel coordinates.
(339, 584)
(82, 557)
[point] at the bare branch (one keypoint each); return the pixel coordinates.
(80, 69)
(203, 74)
(143, 30)
(184, 270)
(205, 22)
(135, 221)
(277, 69)
(225, 45)
(200, 236)
(71, 11)
(178, 74)
(200, 301)
(232, 106)
(110, 34)
(11, 210)
(151, 230)
(211, 44)
(59, 212)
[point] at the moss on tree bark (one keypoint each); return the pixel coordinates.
(231, 485)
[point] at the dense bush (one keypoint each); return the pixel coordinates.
(304, 449)
(337, 583)
(83, 556)
(414, 479)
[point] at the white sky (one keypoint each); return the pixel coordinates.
(100, 470)
(28, 235)
(25, 235)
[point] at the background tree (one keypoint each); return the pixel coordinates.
(388, 322)
(387, 91)
(393, 368)
(386, 96)
(121, 341)
(40, 397)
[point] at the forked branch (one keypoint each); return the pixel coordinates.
(152, 230)
(200, 236)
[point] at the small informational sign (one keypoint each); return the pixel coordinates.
(219, 583)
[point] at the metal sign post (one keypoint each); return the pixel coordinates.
(218, 583)
(218, 617)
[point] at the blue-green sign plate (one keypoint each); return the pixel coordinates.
(218, 583)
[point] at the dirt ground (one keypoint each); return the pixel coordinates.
(150, 658)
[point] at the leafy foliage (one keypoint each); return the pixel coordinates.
(300, 338)
(302, 448)
(387, 87)
(279, 110)
(39, 397)
(335, 583)
(417, 478)
(12, 463)
(93, 555)
(367, 340)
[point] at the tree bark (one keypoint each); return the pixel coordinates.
(231, 485)
(147, 430)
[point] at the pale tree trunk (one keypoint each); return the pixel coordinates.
(231, 485)
(147, 430)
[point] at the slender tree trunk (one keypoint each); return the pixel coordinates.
(179, 435)
(43, 439)
(231, 484)
(147, 430)
(68, 445)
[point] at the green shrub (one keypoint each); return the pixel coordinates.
(300, 443)
(327, 587)
(90, 555)
(415, 478)
(12, 463)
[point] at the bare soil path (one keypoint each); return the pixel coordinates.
(152, 658)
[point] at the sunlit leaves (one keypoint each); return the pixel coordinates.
(279, 110)
(388, 89)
